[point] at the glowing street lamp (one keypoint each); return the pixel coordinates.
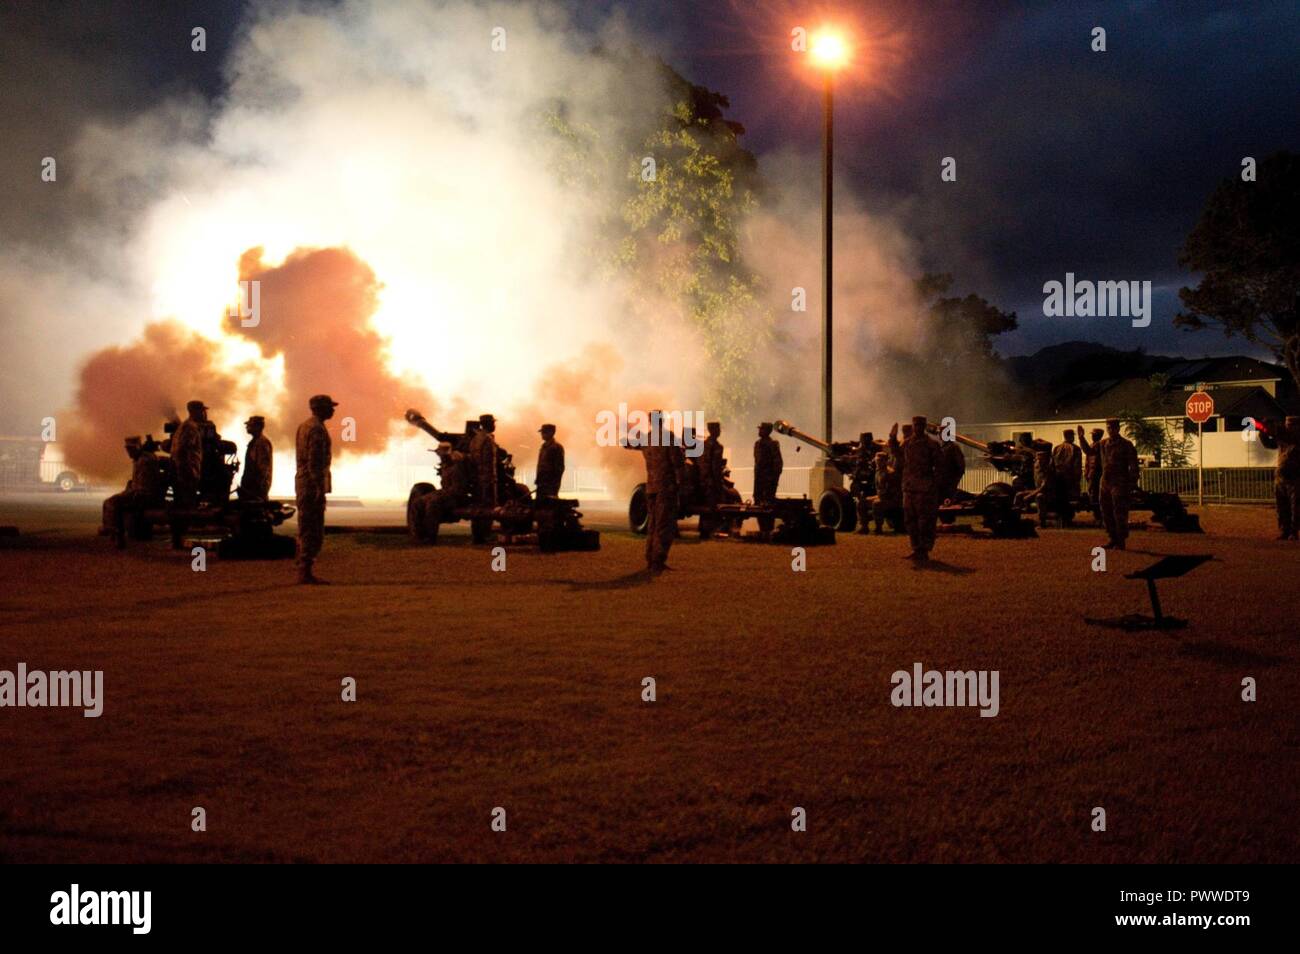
(830, 52)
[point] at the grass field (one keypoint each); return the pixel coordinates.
(522, 689)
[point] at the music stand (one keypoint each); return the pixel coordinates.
(1164, 568)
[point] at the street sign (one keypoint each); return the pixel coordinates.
(1200, 407)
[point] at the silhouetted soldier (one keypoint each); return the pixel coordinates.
(1092, 468)
(550, 463)
(255, 484)
(146, 488)
(427, 512)
(483, 460)
(862, 482)
(922, 469)
(1046, 492)
(186, 450)
(767, 474)
(1119, 478)
(711, 464)
(665, 476)
(1067, 461)
(312, 482)
(954, 468)
(1286, 477)
(887, 504)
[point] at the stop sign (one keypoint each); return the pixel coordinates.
(1200, 407)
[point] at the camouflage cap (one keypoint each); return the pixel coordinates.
(766, 425)
(546, 429)
(486, 419)
(256, 419)
(1112, 422)
(135, 441)
(918, 422)
(195, 406)
(322, 400)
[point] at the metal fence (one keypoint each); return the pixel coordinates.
(1222, 484)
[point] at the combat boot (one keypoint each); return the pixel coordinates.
(305, 575)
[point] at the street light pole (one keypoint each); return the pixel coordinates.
(827, 202)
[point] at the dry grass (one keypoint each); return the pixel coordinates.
(522, 689)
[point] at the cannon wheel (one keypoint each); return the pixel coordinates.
(836, 509)
(417, 491)
(638, 511)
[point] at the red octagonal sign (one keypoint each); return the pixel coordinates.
(1200, 407)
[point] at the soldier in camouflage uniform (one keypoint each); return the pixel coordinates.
(1286, 480)
(1092, 468)
(665, 473)
(550, 463)
(146, 488)
(922, 469)
(862, 482)
(483, 462)
(887, 504)
(426, 512)
(255, 484)
(767, 474)
(186, 450)
(311, 483)
(954, 468)
(1119, 478)
(1067, 461)
(710, 466)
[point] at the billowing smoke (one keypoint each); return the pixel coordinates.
(132, 390)
(417, 243)
(315, 312)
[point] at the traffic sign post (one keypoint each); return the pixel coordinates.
(1200, 408)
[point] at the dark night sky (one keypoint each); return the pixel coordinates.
(1068, 160)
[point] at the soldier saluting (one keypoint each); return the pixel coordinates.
(550, 463)
(312, 482)
(922, 472)
(255, 484)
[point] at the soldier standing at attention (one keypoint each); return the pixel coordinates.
(1286, 478)
(767, 474)
(710, 464)
(954, 468)
(483, 458)
(186, 451)
(887, 504)
(1119, 478)
(312, 482)
(665, 477)
(1067, 460)
(863, 482)
(256, 482)
(922, 469)
(550, 463)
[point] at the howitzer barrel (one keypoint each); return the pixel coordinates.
(789, 430)
(961, 439)
(416, 418)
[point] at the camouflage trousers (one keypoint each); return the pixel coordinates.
(311, 527)
(1115, 503)
(886, 510)
(920, 514)
(660, 528)
(765, 493)
(1287, 495)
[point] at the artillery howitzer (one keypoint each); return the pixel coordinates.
(246, 528)
(837, 507)
(555, 522)
(1016, 458)
(794, 517)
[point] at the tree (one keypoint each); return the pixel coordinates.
(962, 328)
(1246, 247)
(676, 234)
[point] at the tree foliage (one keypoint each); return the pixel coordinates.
(676, 235)
(1246, 247)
